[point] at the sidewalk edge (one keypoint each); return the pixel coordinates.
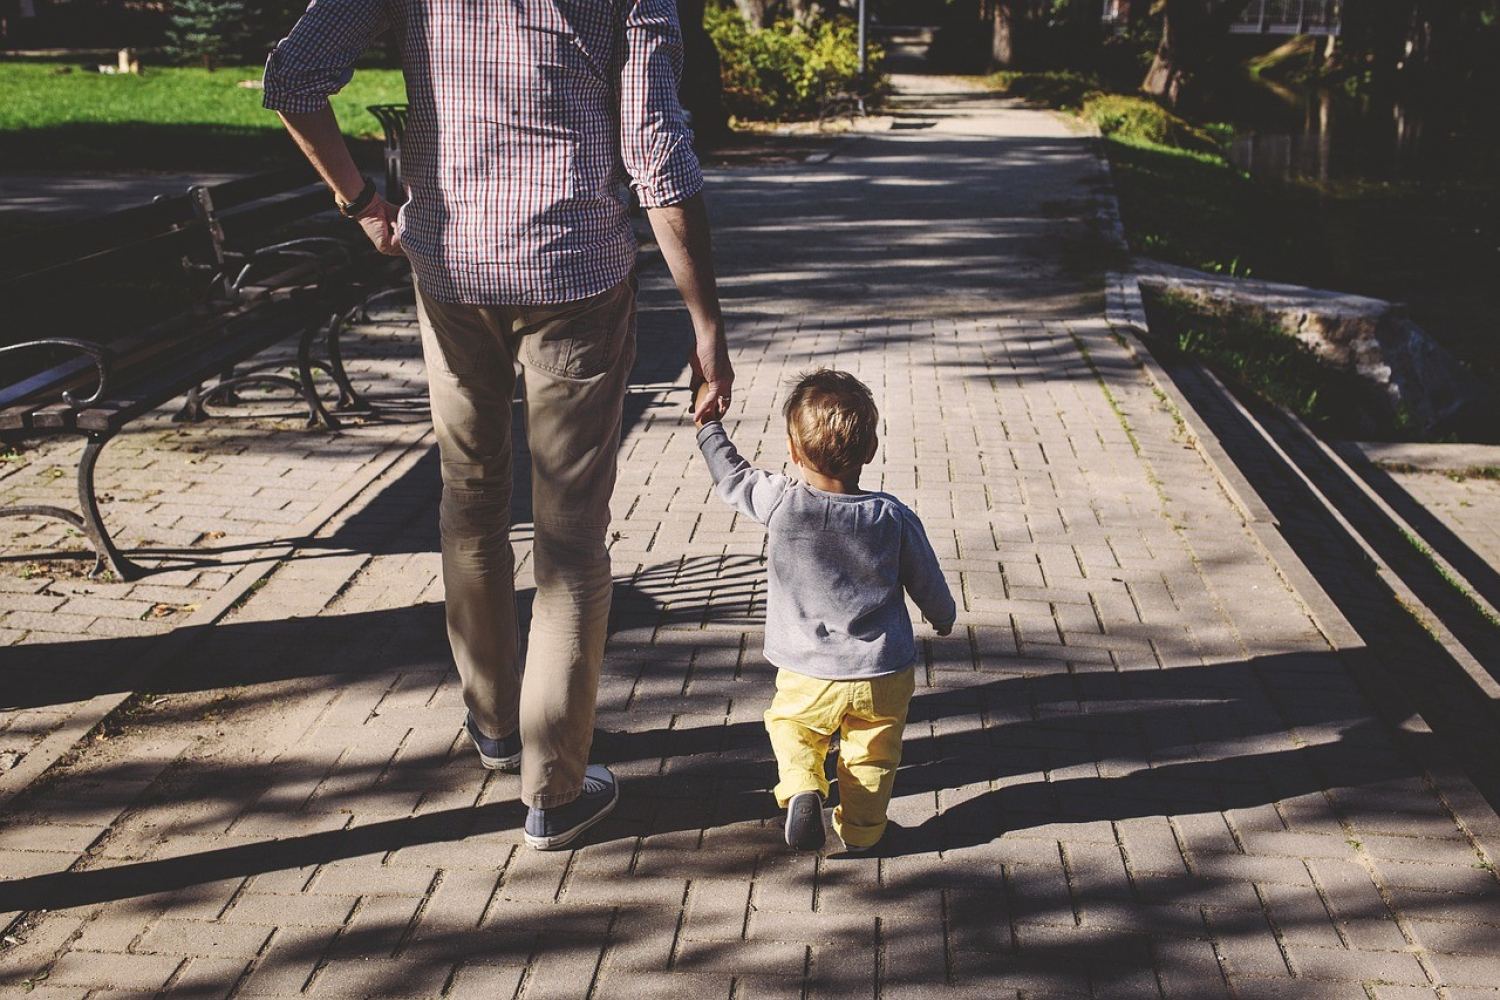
(1125, 316)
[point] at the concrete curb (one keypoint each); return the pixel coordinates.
(1126, 317)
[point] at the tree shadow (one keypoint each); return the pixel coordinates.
(1409, 668)
(1150, 743)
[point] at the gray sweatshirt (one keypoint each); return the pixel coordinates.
(837, 565)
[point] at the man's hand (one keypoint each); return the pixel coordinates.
(713, 376)
(378, 220)
(317, 135)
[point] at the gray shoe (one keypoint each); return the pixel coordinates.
(557, 827)
(804, 822)
(497, 755)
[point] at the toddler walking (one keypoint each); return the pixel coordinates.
(838, 561)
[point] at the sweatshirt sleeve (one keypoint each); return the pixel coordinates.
(739, 484)
(922, 576)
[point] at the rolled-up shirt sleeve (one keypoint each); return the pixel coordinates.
(317, 58)
(656, 144)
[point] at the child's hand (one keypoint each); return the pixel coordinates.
(700, 389)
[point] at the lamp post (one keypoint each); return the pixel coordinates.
(862, 48)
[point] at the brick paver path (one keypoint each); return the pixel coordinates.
(1135, 770)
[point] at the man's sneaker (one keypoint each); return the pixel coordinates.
(497, 755)
(804, 821)
(551, 829)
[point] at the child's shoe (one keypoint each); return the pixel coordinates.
(804, 821)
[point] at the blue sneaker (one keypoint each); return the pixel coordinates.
(551, 829)
(497, 755)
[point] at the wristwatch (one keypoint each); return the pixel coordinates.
(351, 209)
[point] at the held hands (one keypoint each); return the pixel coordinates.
(702, 409)
(378, 220)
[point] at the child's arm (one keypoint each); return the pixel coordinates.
(923, 577)
(739, 484)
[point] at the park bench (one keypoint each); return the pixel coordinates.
(252, 289)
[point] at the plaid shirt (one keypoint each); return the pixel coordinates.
(526, 115)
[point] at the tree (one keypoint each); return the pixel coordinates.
(1190, 33)
(1005, 16)
(758, 13)
(208, 31)
(702, 90)
(762, 13)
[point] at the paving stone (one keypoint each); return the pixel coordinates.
(485, 982)
(1357, 966)
(312, 910)
(207, 977)
(96, 970)
(212, 940)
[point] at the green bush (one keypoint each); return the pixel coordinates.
(786, 71)
(1061, 89)
(1139, 120)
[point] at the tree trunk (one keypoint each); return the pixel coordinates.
(1003, 39)
(1190, 31)
(1167, 69)
(702, 89)
(758, 13)
(808, 12)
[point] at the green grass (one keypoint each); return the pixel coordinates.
(1191, 208)
(1060, 89)
(57, 116)
(1258, 357)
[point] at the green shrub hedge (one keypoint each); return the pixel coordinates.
(787, 72)
(1138, 119)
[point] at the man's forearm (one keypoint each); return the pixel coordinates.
(682, 233)
(317, 134)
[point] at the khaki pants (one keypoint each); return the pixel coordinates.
(869, 716)
(575, 360)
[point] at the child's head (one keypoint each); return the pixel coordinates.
(831, 422)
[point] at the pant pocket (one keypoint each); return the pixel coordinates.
(580, 340)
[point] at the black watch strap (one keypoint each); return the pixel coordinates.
(351, 209)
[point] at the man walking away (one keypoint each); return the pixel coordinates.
(524, 117)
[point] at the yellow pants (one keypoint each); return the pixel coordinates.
(869, 716)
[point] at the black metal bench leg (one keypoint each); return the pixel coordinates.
(93, 524)
(66, 516)
(316, 412)
(349, 397)
(192, 411)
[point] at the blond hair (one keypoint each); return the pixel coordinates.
(832, 419)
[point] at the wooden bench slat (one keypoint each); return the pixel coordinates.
(247, 189)
(37, 252)
(271, 325)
